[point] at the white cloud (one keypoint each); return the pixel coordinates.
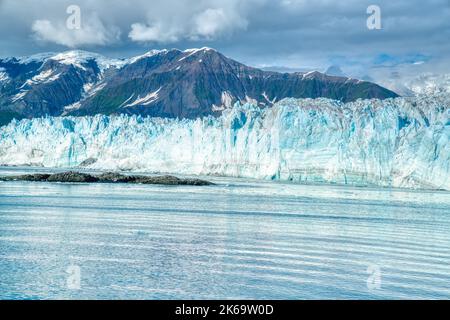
(202, 20)
(213, 22)
(295, 33)
(92, 32)
(156, 33)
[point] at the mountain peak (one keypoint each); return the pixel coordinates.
(203, 49)
(148, 54)
(167, 83)
(186, 53)
(78, 58)
(39, 57)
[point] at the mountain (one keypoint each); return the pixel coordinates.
(409, 84)
(161, 83)
(429, 84)
(401, 142)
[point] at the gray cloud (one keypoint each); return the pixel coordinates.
(91, 32)
(290, 33)
(192, 20)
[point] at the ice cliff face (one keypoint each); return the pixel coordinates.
(395, 142)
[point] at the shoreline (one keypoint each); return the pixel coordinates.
(96, 172)
(106, 177)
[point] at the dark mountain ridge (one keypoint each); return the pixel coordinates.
(165, 83)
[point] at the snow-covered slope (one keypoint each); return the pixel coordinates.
(3, 76)
(430, 84)
(395, 142)
(77, 58)
(422, 84)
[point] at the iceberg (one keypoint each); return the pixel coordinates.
(401, 142)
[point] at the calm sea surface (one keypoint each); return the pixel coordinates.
(240, 239)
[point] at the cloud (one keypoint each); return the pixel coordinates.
(196, 21)
(143, 33)
(213, 22)
(289, 33)
(91, 32)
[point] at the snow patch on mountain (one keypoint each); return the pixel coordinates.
(191, 52)
(270, 101)
(19, 96)
(146, 100)
(79, 58)
(148, 54)
(91, 88)
(309, 74)
(72, 106)
(46, 76)
(36, 58)
(4, 77)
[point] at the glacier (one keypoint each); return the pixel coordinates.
(401, 142)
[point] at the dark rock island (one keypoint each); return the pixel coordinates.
(108, 177)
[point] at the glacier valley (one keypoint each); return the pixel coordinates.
(401, 142)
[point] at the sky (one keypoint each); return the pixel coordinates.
(289, 34)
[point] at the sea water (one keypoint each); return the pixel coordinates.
(239, 239)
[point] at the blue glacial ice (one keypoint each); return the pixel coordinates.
(402, 142)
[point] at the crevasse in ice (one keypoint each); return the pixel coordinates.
(395, 142)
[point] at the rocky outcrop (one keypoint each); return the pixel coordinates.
(72, 176)
(28, 177)
(87, 162)
(108, 177)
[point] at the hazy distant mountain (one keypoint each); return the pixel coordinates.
(366, 77)
(429, 83)
(335, 71)
(165, 83)
(282, 69)
(417, 84)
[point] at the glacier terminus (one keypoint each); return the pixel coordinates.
(399, 142)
